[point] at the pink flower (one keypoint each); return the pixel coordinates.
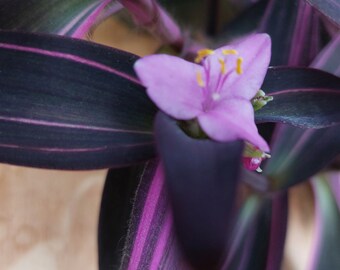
(217, 93)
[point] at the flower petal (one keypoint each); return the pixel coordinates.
(171, 84)
(231, 120)
(255, 51)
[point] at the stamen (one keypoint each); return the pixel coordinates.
(222, 63)
(200, 79)
(239, 65)
(226, 52)
(201, 54)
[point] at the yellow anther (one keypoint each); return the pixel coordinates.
(226, 52)
(201, 54)
(222, 63)
(200, 79)
(239, 62)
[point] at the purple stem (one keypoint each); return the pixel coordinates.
(86, 25)
(149, 14)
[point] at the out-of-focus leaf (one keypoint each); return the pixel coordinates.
(255, 180)
(278, 230)
(334, 181)
(253, 252)
(330, 8)
(327, 237)
(294, 30)
(201, 176)
(247, 22)
(298, 154)
(259, 234)
(116, 205)
(329, 58)
(242, 234)
(63, 17)
(303, 97)
(70, 104)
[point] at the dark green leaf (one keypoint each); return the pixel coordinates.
(259, 234)
(201, 176)
(70, 104)
(243, 233)
(64, 17)
(303, 97)
(253, 253)
(298, 154)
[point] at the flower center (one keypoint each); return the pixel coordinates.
(210, 83)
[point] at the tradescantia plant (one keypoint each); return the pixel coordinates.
(182, 134)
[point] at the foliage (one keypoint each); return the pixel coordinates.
(172, 201)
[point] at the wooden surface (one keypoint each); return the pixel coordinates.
(48, 219)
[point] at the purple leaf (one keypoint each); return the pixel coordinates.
(330, 8)
(242, 235)
(201, 178)
(150, 14)
(327, 237)
(252, 252)
(278, 231)
(70, 104)
(150, 242)
(303, 97)
(298, 154)
(258, 236)
(294, 29)
(329, 58)
(116, 206)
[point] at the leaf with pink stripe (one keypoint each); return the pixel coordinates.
(330, 8)
(136, 224)
(70, 104)
(62, 17)
(294, 28)
(303, 97)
